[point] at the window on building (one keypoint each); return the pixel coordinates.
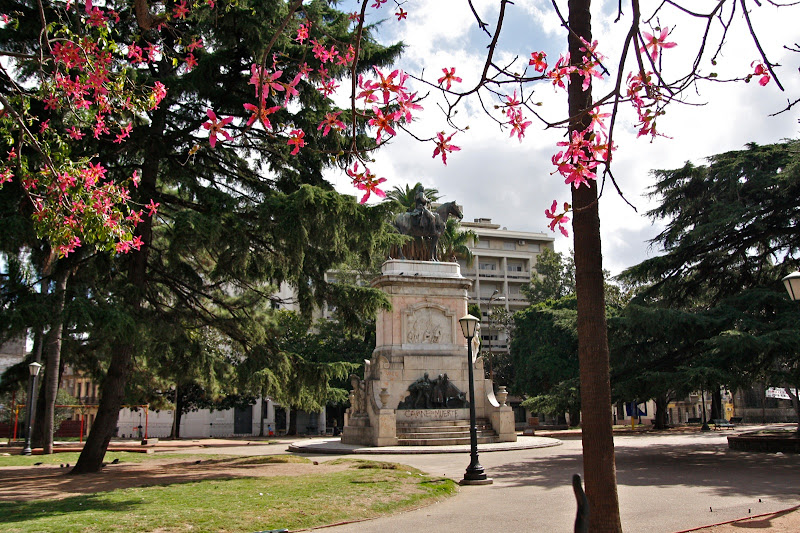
(488, 266)
(514, 267)
(483, 243)
(509, 246)
(534, 248)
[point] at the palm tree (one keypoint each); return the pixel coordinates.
(403, 198)
(454, 242)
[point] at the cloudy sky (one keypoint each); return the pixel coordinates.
(509, 181)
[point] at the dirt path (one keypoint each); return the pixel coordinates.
(24, 483)
(783, 522)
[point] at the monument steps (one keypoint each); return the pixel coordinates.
(443, 433)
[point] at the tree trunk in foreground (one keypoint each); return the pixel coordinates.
(112, 388)
(598, 440)
(53, 350)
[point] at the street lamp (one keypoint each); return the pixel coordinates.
(792, 283)
(33, 368)
(474, 474)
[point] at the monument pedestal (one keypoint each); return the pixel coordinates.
(418, 372)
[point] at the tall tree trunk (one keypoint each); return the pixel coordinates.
(53, 350)
(112, 388)
(717, 411)
(178, 412)
(598, 440)
(661, 411)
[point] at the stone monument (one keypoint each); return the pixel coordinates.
(413, 391)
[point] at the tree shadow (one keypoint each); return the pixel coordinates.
(713, 466)
(34, 510)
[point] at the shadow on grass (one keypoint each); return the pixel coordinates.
(34, 510)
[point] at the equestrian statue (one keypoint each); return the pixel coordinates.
(425, 226)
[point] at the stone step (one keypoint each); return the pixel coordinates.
(441, 423)
(443, 441)
(452, 435)
(439, 429)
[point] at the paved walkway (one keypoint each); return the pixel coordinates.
(666, 483)
(334, 446)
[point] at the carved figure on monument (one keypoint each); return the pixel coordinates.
(428, 325)
(440, 393)
(358, 395)
(426, 226)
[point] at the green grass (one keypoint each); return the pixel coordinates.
(72, 458)
(231, 505)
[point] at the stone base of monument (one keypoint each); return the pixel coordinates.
(413, 390)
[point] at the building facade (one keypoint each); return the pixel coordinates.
(503, 261)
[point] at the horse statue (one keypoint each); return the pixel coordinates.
(415, 224)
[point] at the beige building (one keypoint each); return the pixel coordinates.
(502, 265)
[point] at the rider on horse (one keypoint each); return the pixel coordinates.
(422, 214)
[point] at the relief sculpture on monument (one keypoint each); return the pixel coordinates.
(428, 325)
(439, 393)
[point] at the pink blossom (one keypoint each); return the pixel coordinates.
(331, 121)
(215, 127)
(261, 113)
(152, 207)
(443, 146)
(180, 10)
(653, 44)
(302, 33)
(558, 218)
(296, 139)
(401, 15)
(449, 77)
(159, 92)
(539, 61)
(6, 175)
(760, 70)
(366, 181)
(383, 123)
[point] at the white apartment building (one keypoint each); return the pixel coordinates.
(502, 263)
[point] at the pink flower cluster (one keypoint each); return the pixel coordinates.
(366, 181)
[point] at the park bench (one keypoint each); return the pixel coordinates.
(736, 420)
(721, 423)
(693, 420)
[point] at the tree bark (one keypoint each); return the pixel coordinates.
(598, 440)
(112, 388)
(716, 403)
(661, 411)
(53, 350)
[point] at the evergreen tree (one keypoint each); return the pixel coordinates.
(233, 222)
(729, 222)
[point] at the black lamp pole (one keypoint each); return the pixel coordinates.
(33, 368)
(475, 474)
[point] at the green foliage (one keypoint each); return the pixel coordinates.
(404, 198)
(454, 243)
(554, 277)
(311, 363)
(544, 350)
(712, 310)
(728, 222)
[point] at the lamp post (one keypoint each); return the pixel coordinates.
(474, 474)
(792, 283)
(33, 369)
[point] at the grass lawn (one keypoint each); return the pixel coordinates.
(72, 458)
(363, 489)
